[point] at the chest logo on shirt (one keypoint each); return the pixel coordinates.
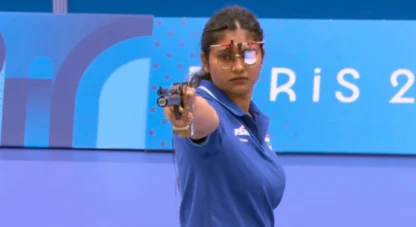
(268, 142)
(241, 133)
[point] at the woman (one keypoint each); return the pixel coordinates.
(228, 176)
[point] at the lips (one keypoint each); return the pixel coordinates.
(239, 79)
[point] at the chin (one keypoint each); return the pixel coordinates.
(241, 90)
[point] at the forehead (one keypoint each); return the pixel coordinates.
(239, 35)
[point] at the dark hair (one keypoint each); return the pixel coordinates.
(226, 19)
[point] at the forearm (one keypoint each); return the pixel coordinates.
(205, 119)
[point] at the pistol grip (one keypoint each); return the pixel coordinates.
(178, 114)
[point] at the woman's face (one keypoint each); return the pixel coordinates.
(232, 69)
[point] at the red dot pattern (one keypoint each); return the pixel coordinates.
(176, 44)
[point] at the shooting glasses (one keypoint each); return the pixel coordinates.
(245, 50)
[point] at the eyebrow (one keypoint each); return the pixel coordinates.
(244, 48)
(250, 42)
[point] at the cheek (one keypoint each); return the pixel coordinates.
(255, 72)
(212, 61)
(217, 73)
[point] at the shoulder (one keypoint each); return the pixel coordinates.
(206, 94)
(213, 100)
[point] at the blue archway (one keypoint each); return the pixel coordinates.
(90, 87)
(78, 60)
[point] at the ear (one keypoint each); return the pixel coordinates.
(205, 62)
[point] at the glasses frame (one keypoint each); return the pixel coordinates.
(239, 45)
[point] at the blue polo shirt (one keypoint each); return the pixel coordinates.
(233, 178)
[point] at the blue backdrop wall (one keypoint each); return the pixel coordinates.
(88, 81)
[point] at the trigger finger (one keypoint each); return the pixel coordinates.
(169, 113)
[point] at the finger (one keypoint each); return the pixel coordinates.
(190, 117)
(184, 88)
(189, 99)
(168, 112)
(185, 112)
(186, 116)
(190, 93)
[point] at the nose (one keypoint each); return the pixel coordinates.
(238, 66)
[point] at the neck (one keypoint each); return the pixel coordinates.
(243, 101)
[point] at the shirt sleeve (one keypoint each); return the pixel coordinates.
(212, 143)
